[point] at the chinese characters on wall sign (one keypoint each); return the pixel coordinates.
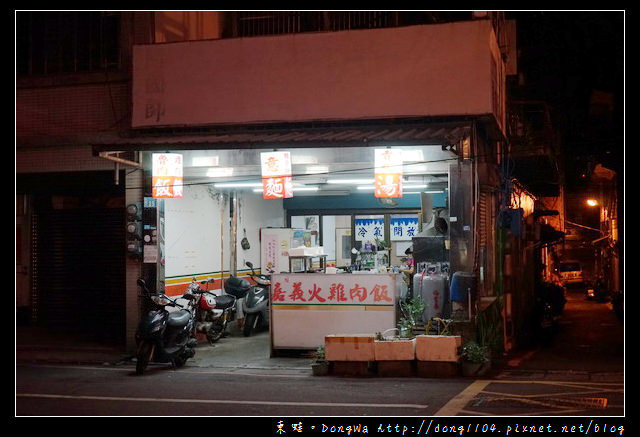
(166, 178)
(369, 229)
(277, 181)
(332, 290)
(388, 173)
(403, 228)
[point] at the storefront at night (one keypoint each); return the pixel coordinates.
(441, 190)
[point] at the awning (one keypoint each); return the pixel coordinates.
(446, 134)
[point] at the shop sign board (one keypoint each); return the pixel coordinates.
(277, 187)
(333, 290)
(403, 228)
(369, 229)
(167, 179)
(277, 181)
(388, 173)
(306, 307)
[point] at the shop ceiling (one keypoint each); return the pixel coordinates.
(320, 157)
(327, 171)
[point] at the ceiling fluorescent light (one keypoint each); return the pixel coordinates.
(412, 155)
(370, 187)
(351, 181)
(303, 159)
(237, 184)
(259, 190)
(205, 161)
(220, 172)
(315, 169)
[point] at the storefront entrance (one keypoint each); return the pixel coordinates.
(333, 222)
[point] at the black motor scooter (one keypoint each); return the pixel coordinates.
(256, 303)
(165, 335)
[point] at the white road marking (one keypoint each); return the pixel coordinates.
(216, 401)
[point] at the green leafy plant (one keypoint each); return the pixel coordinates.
(474, 352)
(412, 311)
(320, 366)
(405, 326)
(383, 244)
(320, 355)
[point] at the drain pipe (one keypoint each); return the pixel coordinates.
(116, 173)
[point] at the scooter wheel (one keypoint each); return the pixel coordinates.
(214, 334)
(250, 323)
(143, 357)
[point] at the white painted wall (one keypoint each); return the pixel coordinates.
(255, 213)
(193, 230)
(193, 243)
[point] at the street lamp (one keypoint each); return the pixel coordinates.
(592, 202)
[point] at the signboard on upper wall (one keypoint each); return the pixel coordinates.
(400, 81)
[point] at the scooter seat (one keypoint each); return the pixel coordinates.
(178, 318)
(224, 301)
(237, 287)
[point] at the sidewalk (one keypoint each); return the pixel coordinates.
(39, 346)
(589, 346)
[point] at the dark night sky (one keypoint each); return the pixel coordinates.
(564, 57)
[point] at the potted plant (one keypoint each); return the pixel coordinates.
(437, 351)
(320, 367)
(474, 358)
(394, 348)
(412, 310)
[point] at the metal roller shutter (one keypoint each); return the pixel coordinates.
(79, 271)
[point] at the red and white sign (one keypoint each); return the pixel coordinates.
(277, 181)
(366, 289)
(388, 185)
(388, 173)
(166, 176)
(277, 187)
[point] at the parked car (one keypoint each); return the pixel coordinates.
(571, 273)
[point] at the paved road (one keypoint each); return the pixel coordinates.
(98, 390)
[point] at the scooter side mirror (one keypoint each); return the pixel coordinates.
(249, 264)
